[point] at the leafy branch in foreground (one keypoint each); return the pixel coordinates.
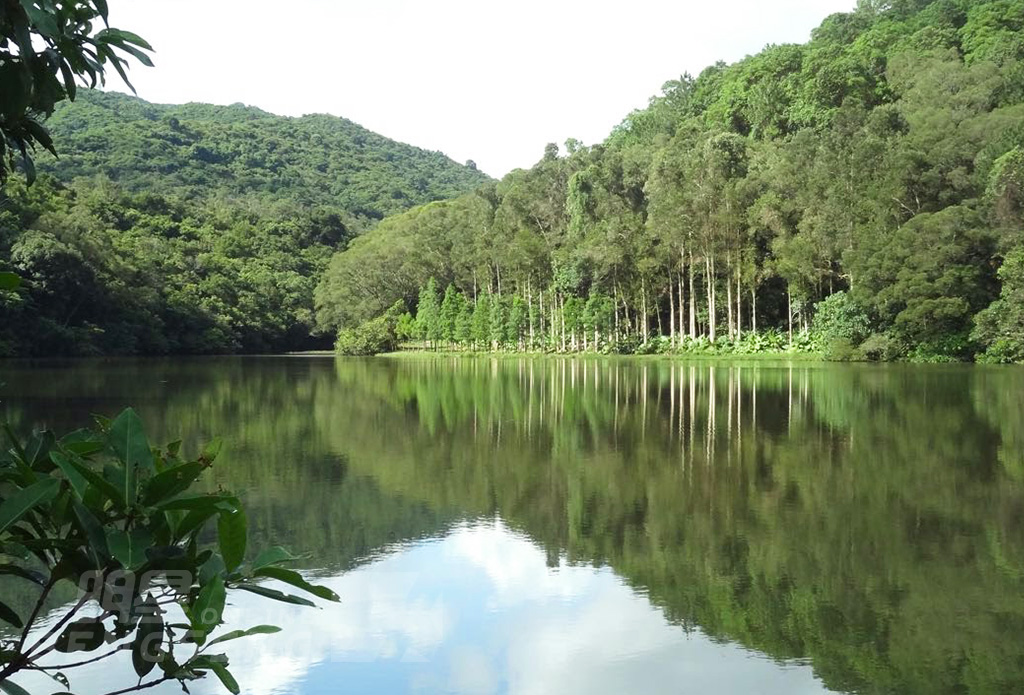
(105, 511)
(45, 47)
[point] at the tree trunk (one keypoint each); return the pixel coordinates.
(671, 312)
(553, 319)
(615, 303)
(682, 304)
(561, 314)
(728, 295)
(753, 311)
(739, 302)
(693, 302)
(789, 304)
(709, 263)
(540, 312)
(529, 312)
(643, 308)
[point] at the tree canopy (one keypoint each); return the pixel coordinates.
(881, 158)
(193, 229)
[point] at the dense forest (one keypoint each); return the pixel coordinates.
(196, 228)
(861, 193)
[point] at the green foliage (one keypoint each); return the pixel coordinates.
(102, 510)
(45, 49)
(840, 325)
(242, 153)
(482, 320)
(109, 273)
(880, 160)
(377, 335)
(428, 313)
(138, 241)
(1000, 327)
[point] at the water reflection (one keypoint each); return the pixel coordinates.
(480, 611)
(862, 521)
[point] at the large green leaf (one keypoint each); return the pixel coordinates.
(208, 610)
(231, 535)
(78, 481)
(129, 548)
(12, 688)
(275, 594)
(93, 532)
(8, 615)
(30, 575)
(235, 634)
(83, 635)
(295, 579)
(171, 482)
(226, 678)
(148, 637)
(127, 438)
(120, 38)
(272, 556)
(23, 501)
(101, 484)
(42, 20)
(82, 442)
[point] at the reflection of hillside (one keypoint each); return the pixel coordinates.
(298, 492)
(865, 518)
(860, 517)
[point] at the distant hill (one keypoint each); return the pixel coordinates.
(195, 228)
(202, 150)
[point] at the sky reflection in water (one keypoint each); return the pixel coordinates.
(476, 612)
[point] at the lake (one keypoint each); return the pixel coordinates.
(507, 525)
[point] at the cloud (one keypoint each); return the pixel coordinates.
(478, 612)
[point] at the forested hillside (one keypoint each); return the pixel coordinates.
(200, 150)
(196, 228)
(866, 184)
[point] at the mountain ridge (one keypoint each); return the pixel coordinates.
(196, 148)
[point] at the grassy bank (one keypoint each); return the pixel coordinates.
(419, 353)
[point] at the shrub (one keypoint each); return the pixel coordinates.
(881, 347)
(374, 336)
(838, 318)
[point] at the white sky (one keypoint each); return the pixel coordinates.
(475, 79)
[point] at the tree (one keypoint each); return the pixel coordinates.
(464, 324)
(1000, 326)
(482, 320)
(428, 313)
(517, 321)
(498, 323)
(448, 314)
(46, 48)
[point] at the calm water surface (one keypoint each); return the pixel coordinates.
(602, 526)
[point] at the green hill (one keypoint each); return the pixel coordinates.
(195, 228)
(239, 151)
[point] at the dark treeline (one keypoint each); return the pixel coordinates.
(867, 184)
(194, 229)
